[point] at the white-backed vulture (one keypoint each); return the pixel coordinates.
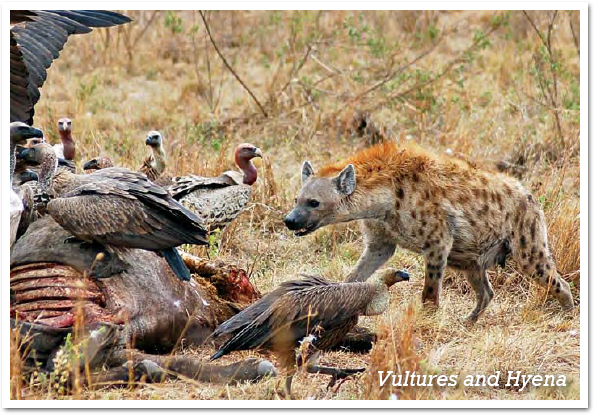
(98, 163)
(19, 134)
(66, 149)
(118, 208)
(155, 164)
(308, 308)
(36, 39)
(219, 200)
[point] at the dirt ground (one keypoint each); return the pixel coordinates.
(481, 86)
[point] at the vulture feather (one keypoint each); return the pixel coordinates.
(19, 134)
(308, 308)
(36, 39)
(219, 200)
(119, 208)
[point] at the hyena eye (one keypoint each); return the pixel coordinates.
(295, 200)
(313, 203)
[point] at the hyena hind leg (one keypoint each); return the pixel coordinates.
(483, 290)
(545, 274)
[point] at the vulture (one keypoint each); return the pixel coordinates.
(311, 308)
(67, 147)
(98, 163)
(118, 209)
(219, 200)
(154, 165)
(36, 39)
(19, 134)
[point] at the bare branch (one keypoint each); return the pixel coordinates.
(208, 29)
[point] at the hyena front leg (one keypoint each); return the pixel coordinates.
(483, 290)
(379, 246)
(435, 256)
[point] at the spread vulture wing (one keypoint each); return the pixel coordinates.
(36, 39)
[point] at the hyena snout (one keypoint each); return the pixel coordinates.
(301, 222)
(294, 220)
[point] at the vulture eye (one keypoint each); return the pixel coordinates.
(313, 203)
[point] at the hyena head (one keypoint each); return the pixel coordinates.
(321, 200)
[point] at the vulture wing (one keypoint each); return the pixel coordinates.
(238, 322)
(296, 314)
(36, 39)
(185, 185)
(129, 214)
(218, 207)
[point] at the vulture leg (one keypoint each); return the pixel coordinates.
(335, 372)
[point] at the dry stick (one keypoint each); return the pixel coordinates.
(552, 95)
(208, 29)
(574, 36)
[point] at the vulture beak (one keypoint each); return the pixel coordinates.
(28, 176)
(90, 165)
(402, 275)
(32, 132)
(257, 152)
(26, 154)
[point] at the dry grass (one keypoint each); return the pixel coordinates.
(475, 93)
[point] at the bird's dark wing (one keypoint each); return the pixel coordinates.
(36, 39)
(125, 214)
(300, 312)
(235, 324)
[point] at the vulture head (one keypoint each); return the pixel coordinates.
(154, 139)
(98, 163)
(33, 141)
(390, 276)
(21, 132)
(39, 154)
(65, 126)
(68, 144)
(42, 154)
(243, 155)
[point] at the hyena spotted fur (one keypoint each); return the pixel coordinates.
(449, 211)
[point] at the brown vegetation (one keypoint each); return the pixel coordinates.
(482, 85)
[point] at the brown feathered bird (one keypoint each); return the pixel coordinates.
(155, 164)
(311, 308)
(118, 208)
(36, 39)
(219, 200)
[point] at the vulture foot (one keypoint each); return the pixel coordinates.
(336, 373)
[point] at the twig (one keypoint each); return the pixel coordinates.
(574, 36)
(208, 29)
(297, 68)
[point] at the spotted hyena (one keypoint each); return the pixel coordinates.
(445, 209)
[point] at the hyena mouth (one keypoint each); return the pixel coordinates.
(305, 231)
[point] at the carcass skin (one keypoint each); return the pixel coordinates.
(145, 307)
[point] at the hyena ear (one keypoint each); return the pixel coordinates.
(307, 170)
(346, 180)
